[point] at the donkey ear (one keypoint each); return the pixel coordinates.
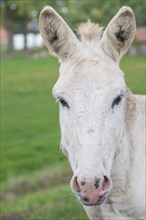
(57, 36)
(119, 33)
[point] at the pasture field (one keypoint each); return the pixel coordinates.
(35, 175)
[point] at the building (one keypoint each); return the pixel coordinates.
(140, 39)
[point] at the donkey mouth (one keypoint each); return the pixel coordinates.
(85, 201)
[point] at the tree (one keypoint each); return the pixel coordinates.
(13, 21)
(16, 15)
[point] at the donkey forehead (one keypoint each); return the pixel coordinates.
(93, 73)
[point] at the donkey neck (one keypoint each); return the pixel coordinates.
(127, 172)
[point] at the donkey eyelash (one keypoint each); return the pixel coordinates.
(63, 102)
(117, 100)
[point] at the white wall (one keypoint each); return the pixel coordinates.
(33, 40)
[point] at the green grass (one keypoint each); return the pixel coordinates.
(30, 130)
(135, 73)
(58, 203)
(34, 173)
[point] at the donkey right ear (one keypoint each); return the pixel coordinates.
(57, 36)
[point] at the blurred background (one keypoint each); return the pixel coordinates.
(34, 173)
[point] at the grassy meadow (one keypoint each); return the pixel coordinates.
(35, 175)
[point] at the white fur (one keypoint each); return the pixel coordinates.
(96, 138)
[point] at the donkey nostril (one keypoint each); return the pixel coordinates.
(106, 183)
(97, 181)
(75, 185)
(106, 179)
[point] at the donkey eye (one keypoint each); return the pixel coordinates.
(63, 102)
(117, 100)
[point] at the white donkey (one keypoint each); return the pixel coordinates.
(102, 122)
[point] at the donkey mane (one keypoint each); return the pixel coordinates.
(90, 32)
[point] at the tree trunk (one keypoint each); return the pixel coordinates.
(10, 48)
(25, 40)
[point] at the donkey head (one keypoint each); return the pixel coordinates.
(91, 91)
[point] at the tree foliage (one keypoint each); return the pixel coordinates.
(101, 11)
(74, 11)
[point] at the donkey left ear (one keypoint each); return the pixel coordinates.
(119, 33)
